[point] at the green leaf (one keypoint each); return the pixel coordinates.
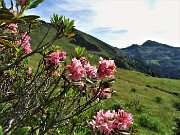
(88, 80)
(28, 2)
(11, 20)
(4, 11)
(5, 14)
(3, 4)
(0, 130)
(29, 18)
(6, 43)
(79, 51)
(35, 4)
(22, 131)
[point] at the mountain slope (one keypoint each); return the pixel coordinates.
(93, 45)
(162, 58)
(137, 94)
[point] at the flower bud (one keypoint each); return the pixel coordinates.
(22, 3)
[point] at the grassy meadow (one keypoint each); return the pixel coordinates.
(146, 97)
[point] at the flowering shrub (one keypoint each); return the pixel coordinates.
(56, 57)
(24, 41)
(76, 70)
(47, 98)
(110, 122)
(106, 68)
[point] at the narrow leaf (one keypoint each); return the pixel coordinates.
(22, 131)
(3, 4)
(29, 18)
(35, 3)
(0, 130)
(6, 43)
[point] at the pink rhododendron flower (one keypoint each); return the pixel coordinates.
(91, 71)
(76, 70)
(25, 42)
(122, 120)
(83, 61)
(81, 85)
(105, 95)
(110, 122)
(55, 58)
(95, 90)
(12, 28)
(102, 122)
(62, 55)
(106, 68)
(29, 70)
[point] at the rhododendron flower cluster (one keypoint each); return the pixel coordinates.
(25, 38)
(110, 122)
(12, 28)
(91, 71)
(25, 42)
(105, 94)
(56, 57)
(106, 68)
(76, 70)
(80, 68)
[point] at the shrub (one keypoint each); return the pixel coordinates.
(133, 90)
(135, 105)
(158, 99)
(176, 104)
(177, 129)
(151, 123)
(116, 106)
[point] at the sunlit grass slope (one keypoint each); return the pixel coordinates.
(143, 95)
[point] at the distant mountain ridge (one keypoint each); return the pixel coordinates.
(162, 58)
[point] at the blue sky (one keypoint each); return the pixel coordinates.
(120, 23)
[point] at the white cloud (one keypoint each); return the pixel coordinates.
(143, 20)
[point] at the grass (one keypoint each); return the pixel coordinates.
(149, 89)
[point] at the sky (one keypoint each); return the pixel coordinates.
(120, 23)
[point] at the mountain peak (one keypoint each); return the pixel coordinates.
(162, 58)
(133, 46)
(150, 43)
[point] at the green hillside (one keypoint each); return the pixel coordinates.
(152, 101)
(144, 95)
(162, 58)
